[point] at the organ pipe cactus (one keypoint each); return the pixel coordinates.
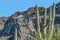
(49, 35)
(50, 18)
(45, 16)
(45, 19)
(52, 23)
(50, 26)
(15, 36)
(38, 33)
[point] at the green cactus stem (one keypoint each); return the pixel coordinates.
(45, 28)
(15, 36)
(52, 27)
(45, 16)
(38, 33)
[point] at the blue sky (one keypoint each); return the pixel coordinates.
(8, 7)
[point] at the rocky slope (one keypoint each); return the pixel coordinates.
(26, 24)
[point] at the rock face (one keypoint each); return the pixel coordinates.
(1, 25)
(2, 22)
(26, 29)
(26, 25)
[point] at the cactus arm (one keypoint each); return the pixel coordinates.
(50, 20)
(52, 27)
(45, 18)
(45, 21)
(39, 35)
(15, 36)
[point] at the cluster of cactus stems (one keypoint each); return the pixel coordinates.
(47, 35)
